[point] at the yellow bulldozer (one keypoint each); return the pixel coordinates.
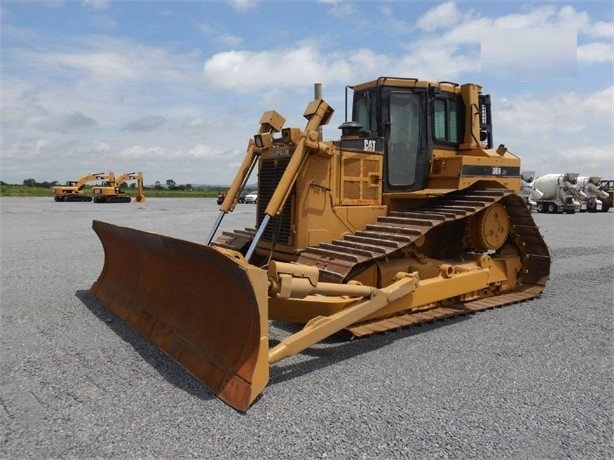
(111, 192)
(411, 216)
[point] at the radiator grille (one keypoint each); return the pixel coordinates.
(271, 171)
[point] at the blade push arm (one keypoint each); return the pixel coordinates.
(325, 326)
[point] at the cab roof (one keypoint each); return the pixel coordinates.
(409, 83)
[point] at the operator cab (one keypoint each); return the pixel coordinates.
(411, 118)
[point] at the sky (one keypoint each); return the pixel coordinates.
(176, 89)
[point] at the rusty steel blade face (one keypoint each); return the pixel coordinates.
(204, 309)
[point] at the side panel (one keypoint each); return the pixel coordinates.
(333, 195)
(360, 179)
(337, 195)
(453, 171)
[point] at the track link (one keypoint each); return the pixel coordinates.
(433, 314)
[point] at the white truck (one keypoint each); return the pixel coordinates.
(527, 192)
(593, 197)
(559, 193)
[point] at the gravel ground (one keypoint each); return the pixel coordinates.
(533, 380)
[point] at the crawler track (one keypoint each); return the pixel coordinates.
(337, 260)
(340, 259)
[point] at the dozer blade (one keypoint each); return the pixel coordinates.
(205, 309)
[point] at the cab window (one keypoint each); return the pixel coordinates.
(446, 120)
(365, 111)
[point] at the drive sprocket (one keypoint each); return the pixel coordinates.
(488, 229)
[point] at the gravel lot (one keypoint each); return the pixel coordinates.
(532, 380)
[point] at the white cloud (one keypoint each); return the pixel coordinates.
(67, 123)
(602, 29)
(24, 148)
(224, 38)
(305, 64)
(539, 17)
(442, 62)
(536, 44)
(471, 28)
(600, 106)
(549, 17)
(206, 28)
(301, 65)
(439, 17)
(24, 114)
(558, 132)
(105, 65)
(553, 113)
(199, 124)
(200, 151)
(100, 147)
(569, 18)
(148, 123)
(52, 158)
(587, 159)
(469, 31)
(109, 60)
(96, 4)
(596, 52)
(229, 40)
(137, 152)
(340, 9)
(242, 5)
(114, 82)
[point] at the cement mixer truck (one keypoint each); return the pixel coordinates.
(559, 193)
(529, 194)
(594, 198)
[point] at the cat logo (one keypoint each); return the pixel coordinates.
(369, 145)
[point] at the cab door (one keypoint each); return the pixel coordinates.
(406, 160)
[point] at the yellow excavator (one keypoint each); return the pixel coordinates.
(411, 216)
(74, 190)
(111, 191)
